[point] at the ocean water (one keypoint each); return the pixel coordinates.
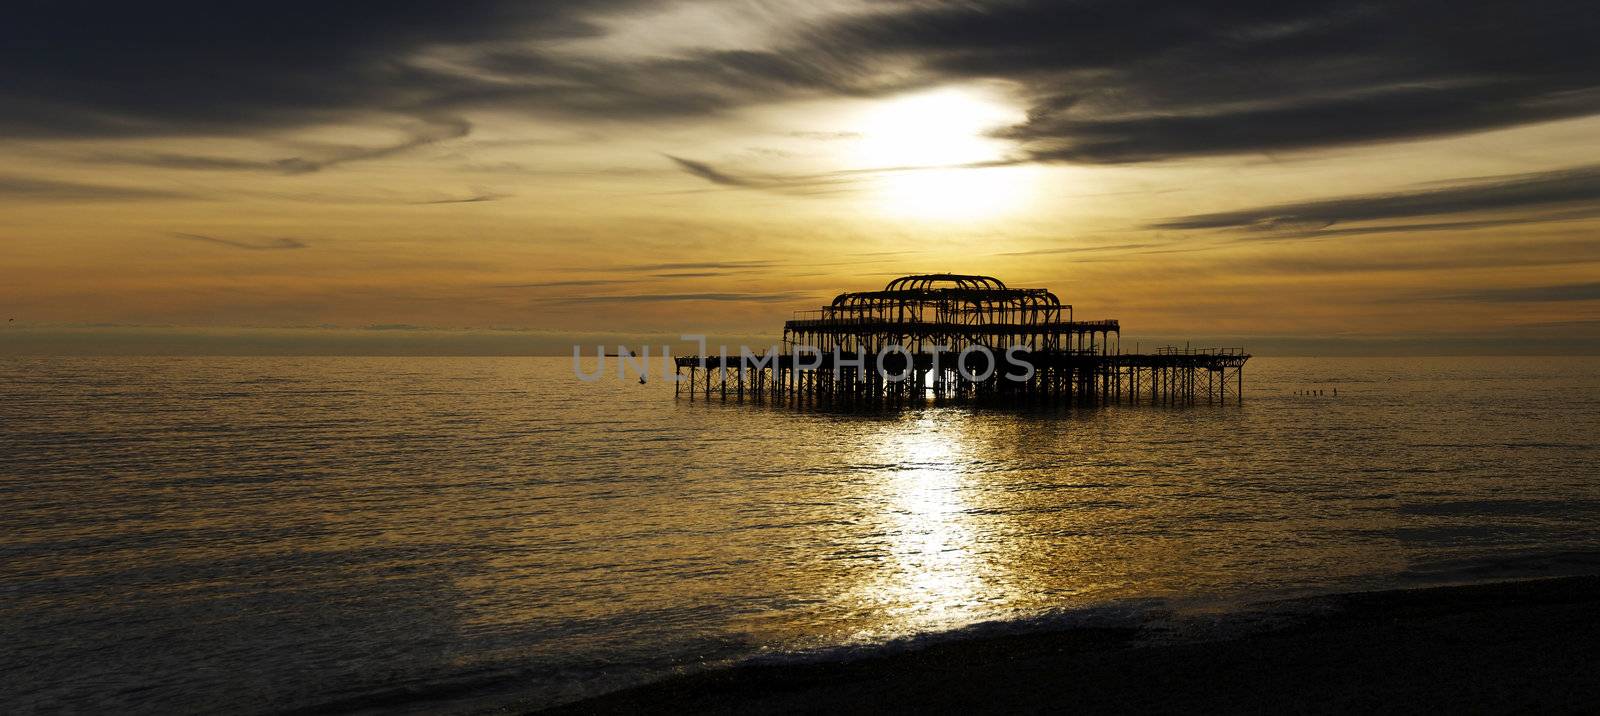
(188, 535)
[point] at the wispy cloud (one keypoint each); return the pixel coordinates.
(165, 160)
(1567, 188)
(825, 136)
(712, 174)
(646, 271)
(574, 283)
(1529, 294)
(426, 131)
(42, 189)
(474, 199)
(798, 184)
(675, 297)
(816, 184)
(261, 245)
(691, 274)
(673, 265)
(1079, 249)
(1431, 226)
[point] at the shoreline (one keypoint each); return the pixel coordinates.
(1501, 646)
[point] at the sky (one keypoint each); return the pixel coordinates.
(509, 177)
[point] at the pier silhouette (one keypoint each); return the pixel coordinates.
(955, 336)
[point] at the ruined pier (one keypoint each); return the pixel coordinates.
(951, 336)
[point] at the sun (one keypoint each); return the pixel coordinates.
(940, 128)
(934, 157)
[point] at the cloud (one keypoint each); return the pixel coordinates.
(1468, 225)
(1110, 82)
(431, 131)
(1530, 294)
(814, 184)
(474, 199)
(673, 297)
(1116, 82)
(187, 161)
(42, 189)
(567, 284)
(1403, 113)
(676, 265)
(263, 245)
(187, 67)
(1104, 81)
(711, 174)
(797, 184)
(1425, 260)
(424, 132)
(825, 136)
(1080, 249)
(1566, 188)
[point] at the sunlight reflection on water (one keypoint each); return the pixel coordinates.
(309, 530)
(934, 581)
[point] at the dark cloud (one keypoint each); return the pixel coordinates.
(1115, 81)
(1106, 81)
(263, 245)
(711, 174)
(1445, 260)
(1122, 81)
(1429, 226)
(695, 83)
(190, 67)
(1531, 294)
(42, 189)
(1307, 124)
(1575, 187)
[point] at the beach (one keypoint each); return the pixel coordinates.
(1511, 646)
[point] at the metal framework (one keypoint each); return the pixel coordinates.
(926, 327)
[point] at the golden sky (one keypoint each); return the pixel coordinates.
(501, 177)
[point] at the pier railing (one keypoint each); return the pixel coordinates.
(1189, 377)
(1187, 351)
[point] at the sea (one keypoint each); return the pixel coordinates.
(461, 535)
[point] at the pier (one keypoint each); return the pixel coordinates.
(952, 336)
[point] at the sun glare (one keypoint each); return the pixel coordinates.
(954, 194)
(941, 128)
(926, 144)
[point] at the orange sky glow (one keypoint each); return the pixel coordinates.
(711, 167)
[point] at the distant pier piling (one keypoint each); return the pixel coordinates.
(927, 328)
